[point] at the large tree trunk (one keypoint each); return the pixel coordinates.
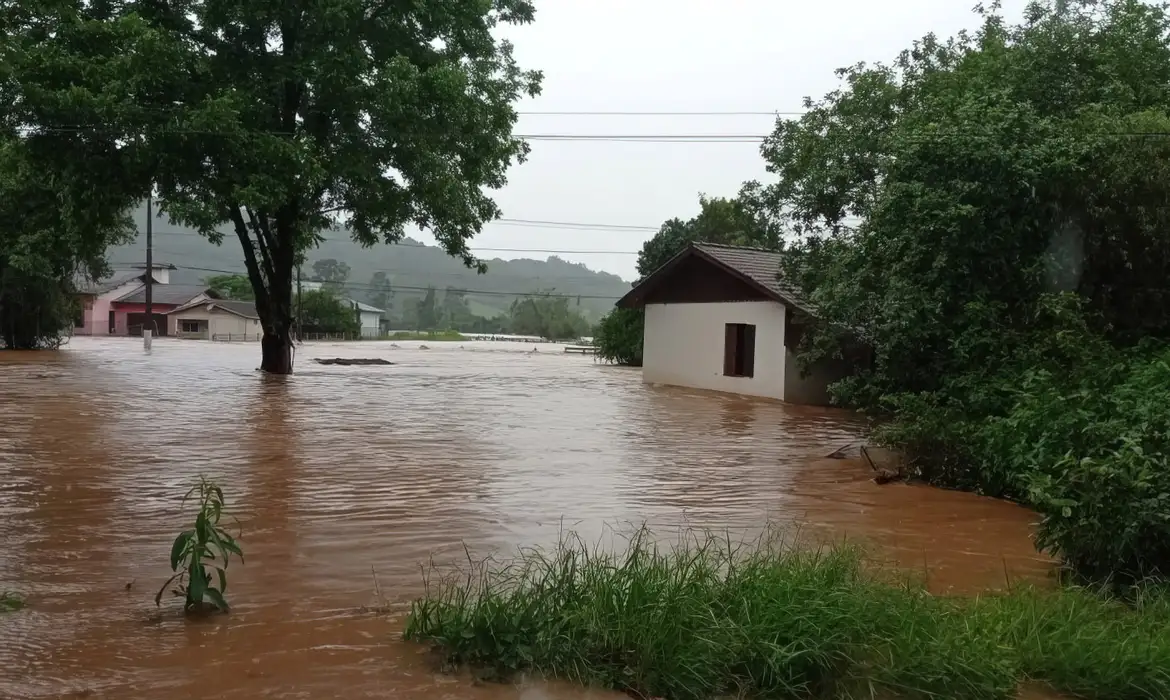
(276, 352)
(276, 346)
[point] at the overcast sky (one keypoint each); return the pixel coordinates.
(675, 56)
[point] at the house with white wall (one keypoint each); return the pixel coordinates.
(216, 319)
(369, 317)
(720, 318)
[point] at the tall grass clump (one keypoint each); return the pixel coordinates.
(200, 555)
(709, 618)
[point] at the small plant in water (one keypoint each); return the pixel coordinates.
(10, 602)
(200, 553)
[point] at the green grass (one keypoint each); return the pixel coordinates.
(425, 335)
(10, 602)
(709, 618)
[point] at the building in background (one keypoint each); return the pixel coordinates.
(216, 319)
(719, 317)
(97, 316)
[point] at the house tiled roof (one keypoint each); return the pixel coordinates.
(174, 294)
(87, 286)
(759, 265)
(247, 309)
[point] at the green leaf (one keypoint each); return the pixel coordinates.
(217, 599)
(180, 547)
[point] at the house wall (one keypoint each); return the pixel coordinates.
(684, 344)
(121, 310)
(813, 389)
(218, 323)
(225, 324)
(370, 323)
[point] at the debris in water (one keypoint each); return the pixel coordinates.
(351, 361)
(423, 347)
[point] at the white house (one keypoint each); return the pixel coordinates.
(720, 318)
(216, 319)
(369, 317)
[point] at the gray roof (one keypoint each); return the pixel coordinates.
(88, 286)
(757, 267)
(366, 307)
(247, 309)
(760, 266)
(175, 294)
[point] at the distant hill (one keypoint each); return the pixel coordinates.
(410, 267)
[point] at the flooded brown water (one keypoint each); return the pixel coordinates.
(339, 471)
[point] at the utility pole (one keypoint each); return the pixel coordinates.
(299, 303)
(148, 324)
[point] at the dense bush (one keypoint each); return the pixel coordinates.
(984, 215)
(618, 336)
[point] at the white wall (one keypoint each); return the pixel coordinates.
(370, 323)
(223, 323)
(684, 346)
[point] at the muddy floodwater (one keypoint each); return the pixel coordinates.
(341, 475)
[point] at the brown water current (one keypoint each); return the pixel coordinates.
(337, 472)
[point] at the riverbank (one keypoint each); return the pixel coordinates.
(710, 618)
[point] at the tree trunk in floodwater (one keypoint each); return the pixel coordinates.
(276, 347)
(276, 353)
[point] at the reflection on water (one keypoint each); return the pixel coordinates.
(342, 474)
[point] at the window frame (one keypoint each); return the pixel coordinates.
(739, 350)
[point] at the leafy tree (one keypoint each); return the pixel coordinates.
(322, 312)
(231, 286)
(334, 274)
(548, 317)
(56, 220)
(988, 214)
(456, 313)
(742, 221)
(427, 313)
(280, 120)
(381, 293)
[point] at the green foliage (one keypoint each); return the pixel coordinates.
(200, 556)
(986, 214)
(10, 602)
(619, 337)
(709, 618)
(55, 224)
(231, 287)
(381, 293)
(322, 312)
(283, 120)
(547, 317)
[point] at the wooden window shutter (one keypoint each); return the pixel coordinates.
(729, 338)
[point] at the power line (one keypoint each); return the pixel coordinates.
(474, 248)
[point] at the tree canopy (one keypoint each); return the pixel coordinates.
(990, 214)
(283, 120)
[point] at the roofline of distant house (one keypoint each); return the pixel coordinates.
(211, 302)
(630, 300)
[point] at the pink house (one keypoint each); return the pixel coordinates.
(117, 306)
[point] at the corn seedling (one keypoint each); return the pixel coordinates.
(200, 556)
